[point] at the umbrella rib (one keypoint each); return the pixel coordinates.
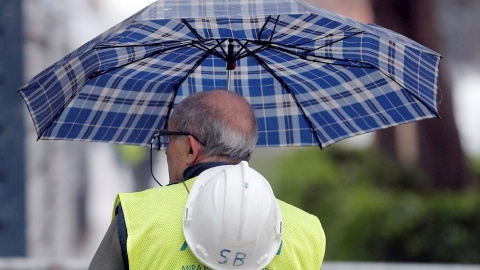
(96, 74)
(177, 86)
(285, 86)
(354, 63)
(251, 52)
(219, 44)
(331, 34)
(263, 27)
(264, 44)
(298, 46)
(241, 52)
(274, 28)
(185, 42)
(335, 41)
(194, 32)
(206, 49)
(202, 39)
(197, 44)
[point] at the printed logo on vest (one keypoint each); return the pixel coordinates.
(195, 267)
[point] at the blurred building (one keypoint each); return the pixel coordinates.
(12, 172)
(71, 186)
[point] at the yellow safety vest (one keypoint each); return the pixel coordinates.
(155, 234)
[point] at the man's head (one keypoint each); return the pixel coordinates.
(223, 120)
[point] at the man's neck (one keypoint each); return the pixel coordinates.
(196, 169)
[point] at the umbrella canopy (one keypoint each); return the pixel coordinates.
(312, 76)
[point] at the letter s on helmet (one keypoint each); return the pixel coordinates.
(232, 219)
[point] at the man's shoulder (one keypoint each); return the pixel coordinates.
(173, 189)
(167, 195)
(302, 227)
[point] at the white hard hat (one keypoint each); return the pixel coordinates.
(232, 219)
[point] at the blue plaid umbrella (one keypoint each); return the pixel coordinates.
(312, 76)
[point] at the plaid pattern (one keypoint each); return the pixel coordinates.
(323, 77)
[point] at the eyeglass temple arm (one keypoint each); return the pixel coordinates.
(151, 158)
(154, 137)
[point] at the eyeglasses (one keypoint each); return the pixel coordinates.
(164, 136)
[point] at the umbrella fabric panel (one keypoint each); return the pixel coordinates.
(163, 34)
(119, 105)
(405, 65)
(374, 29)
(40, 93)
(410, 68)
(211, 8)
(47, 94)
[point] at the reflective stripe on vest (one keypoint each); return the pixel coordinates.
(155, 236)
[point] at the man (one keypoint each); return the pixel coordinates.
(206, 130)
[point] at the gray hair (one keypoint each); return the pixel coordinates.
(215, 126)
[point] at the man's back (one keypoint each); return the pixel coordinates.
(156, 241)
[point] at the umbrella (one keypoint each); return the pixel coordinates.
(313, 77)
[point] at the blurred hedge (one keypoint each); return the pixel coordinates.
(374, 209)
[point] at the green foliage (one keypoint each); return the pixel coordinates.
(132, 154)
(475, 165)
(373, 209)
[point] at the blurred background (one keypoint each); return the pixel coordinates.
(409, 194)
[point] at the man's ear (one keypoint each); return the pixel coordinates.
(193, 151)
